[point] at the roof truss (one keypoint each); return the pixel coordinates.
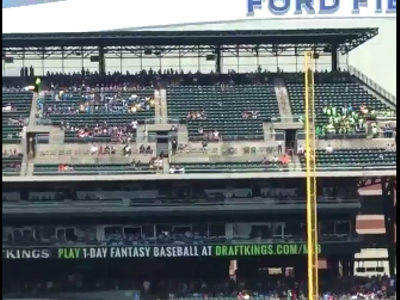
(344, 39)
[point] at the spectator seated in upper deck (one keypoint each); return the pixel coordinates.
(16, 105)
(99, 114)
(234, 105)
(342, 105)
(11, 163)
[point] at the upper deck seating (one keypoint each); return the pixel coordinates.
(354, 159)
(15, 114)
(339, 92)
(235, 109)
(99, 116)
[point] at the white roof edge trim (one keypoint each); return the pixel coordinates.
(139, 15)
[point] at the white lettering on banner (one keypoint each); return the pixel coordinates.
(320, 7)
(182, 251)
(100, 252)
(25, 253)
(121, 252)
(138, 251)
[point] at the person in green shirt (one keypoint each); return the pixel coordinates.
(329, 111)
(334, 111)
(318, 131)
(37, 85)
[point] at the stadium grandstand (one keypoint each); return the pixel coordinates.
(172, 164)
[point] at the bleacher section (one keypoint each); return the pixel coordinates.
(354, 159)
(92, 169)
(15, 113)
(16, 106)
(11, 165)
(231, 167)
(241, 108)
(222, 108)
(95, 111)
(334, 89)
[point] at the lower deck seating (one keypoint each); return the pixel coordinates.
(226, 167)
(16, 108)
(92, 169)
(353, 159)
(11, 165)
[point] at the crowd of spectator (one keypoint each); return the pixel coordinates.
(283, 285)
(99, 101)
(347, 120)
(342, 120)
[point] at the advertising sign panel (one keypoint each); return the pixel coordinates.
(170, 251)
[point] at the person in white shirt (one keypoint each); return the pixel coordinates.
(216, 134)
(158, 163)
(94, 149)
(329, 149)
(300, 149)
(7, 108)
(146, 286)
(127, 150)
(173, 170)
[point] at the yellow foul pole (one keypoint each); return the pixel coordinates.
(312, 231)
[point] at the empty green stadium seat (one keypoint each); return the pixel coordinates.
(91, 169)
(13, 120)
(223, 108)
(230, 167)
(11, 166)
(354, 159)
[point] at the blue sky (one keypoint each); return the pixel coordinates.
(16, 3)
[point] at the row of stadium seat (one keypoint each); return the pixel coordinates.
(105, 116)
(338, 160)
(15, 114)
(235, 110)
(224, 107)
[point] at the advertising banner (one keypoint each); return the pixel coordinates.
(238, 250)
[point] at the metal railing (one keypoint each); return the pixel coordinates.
(292, 119)
(172, 121)
(300, 135)
(176, 202)
(372, 84)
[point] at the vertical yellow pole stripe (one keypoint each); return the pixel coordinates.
(312, 230)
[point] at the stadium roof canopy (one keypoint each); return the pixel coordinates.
(344, 40)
